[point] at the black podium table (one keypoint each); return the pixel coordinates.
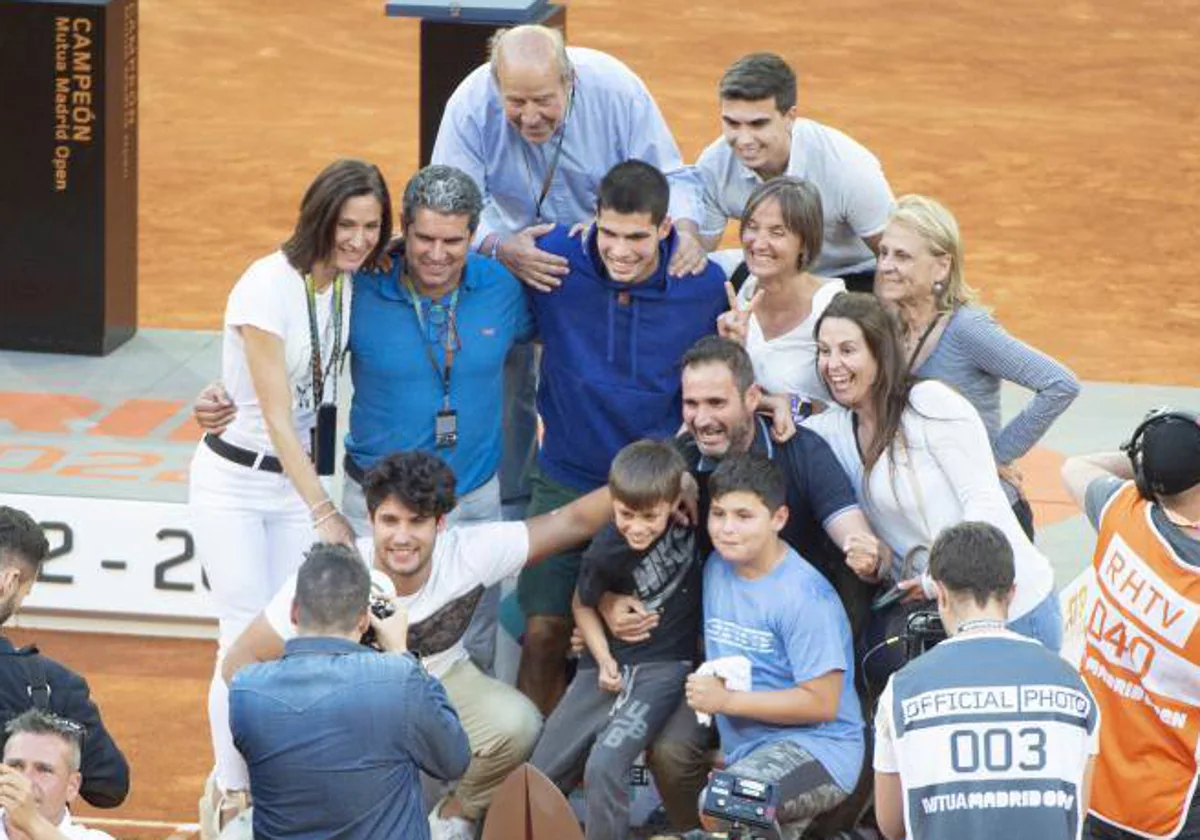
(68, 171)
(454, 41)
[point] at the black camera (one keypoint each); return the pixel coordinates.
(381, 608)
(924, 631)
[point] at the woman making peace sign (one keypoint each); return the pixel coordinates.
(773, 314)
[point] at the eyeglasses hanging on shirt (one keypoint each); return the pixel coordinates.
(325, 362)
(540, 198)
(439, 326)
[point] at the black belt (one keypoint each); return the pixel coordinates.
(243, 457)
(353, 470)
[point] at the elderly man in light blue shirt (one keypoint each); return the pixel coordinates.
(538, 127)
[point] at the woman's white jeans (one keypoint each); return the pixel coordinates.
(252, 529)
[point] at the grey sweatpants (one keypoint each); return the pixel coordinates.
(595, 736)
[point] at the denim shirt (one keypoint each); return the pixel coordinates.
(334, 734)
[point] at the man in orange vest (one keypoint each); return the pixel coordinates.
(1142, 654)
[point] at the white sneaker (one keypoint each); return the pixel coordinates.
(450, 828)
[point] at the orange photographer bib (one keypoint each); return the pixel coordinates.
(1142, 662)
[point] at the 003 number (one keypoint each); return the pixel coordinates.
(994, 749)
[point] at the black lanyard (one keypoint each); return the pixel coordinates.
(450, 341)
(562, 136)
(921, 343)
(335, 352)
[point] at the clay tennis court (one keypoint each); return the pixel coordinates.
(1066, 137)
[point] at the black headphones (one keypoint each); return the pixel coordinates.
(1134, 446)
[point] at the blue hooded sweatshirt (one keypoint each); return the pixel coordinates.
(611, 351)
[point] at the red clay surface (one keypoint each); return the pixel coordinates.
(1064, 135)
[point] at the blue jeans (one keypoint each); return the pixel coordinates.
(1043, 623)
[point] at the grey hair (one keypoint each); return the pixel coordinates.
(800, 205)
(760, 76)
(41, 722)
(445, 190)
(525, 39)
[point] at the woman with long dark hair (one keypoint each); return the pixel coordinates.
(918, 455)
(256, 495)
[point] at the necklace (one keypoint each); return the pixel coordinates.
(1179, 520)
(981, 624)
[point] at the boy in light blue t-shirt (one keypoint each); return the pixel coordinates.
(799, 726)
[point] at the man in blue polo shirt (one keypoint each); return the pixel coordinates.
(428, 339)
(613, 334)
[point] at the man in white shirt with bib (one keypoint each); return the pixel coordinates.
(989, 734)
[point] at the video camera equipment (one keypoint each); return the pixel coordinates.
(924, 630)
(748, 805)
(381, 608)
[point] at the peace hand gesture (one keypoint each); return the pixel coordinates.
(734, 323)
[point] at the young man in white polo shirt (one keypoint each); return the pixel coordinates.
(763, 138)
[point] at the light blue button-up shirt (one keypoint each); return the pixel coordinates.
(613, 118)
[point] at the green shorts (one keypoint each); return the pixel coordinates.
(547, 588)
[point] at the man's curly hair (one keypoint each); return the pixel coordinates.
(421, 482)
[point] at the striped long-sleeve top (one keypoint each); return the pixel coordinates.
(975, 354)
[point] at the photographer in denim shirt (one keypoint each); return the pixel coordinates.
(334, 732)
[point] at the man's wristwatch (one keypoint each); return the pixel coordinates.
(800, 408)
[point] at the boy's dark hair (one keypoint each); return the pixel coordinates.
(973, 558)
(713, 349)
(634, 186)
(21, 540)
(421, 482)
(312, 241)
(645, 473)
(749, 472)
(760, 76)
(333, 588)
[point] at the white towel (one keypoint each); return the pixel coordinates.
(735, 670)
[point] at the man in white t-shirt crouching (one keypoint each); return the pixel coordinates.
(439, 574)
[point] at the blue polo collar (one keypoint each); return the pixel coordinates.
(389, 284)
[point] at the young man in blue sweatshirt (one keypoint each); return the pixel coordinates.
(612, 334)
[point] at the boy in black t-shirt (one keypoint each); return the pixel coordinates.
(623, 692)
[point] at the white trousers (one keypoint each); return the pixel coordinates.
(252, 529)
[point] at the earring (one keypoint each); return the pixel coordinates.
(939, 288)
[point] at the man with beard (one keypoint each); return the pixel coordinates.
(720, 399)
(28, 679)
